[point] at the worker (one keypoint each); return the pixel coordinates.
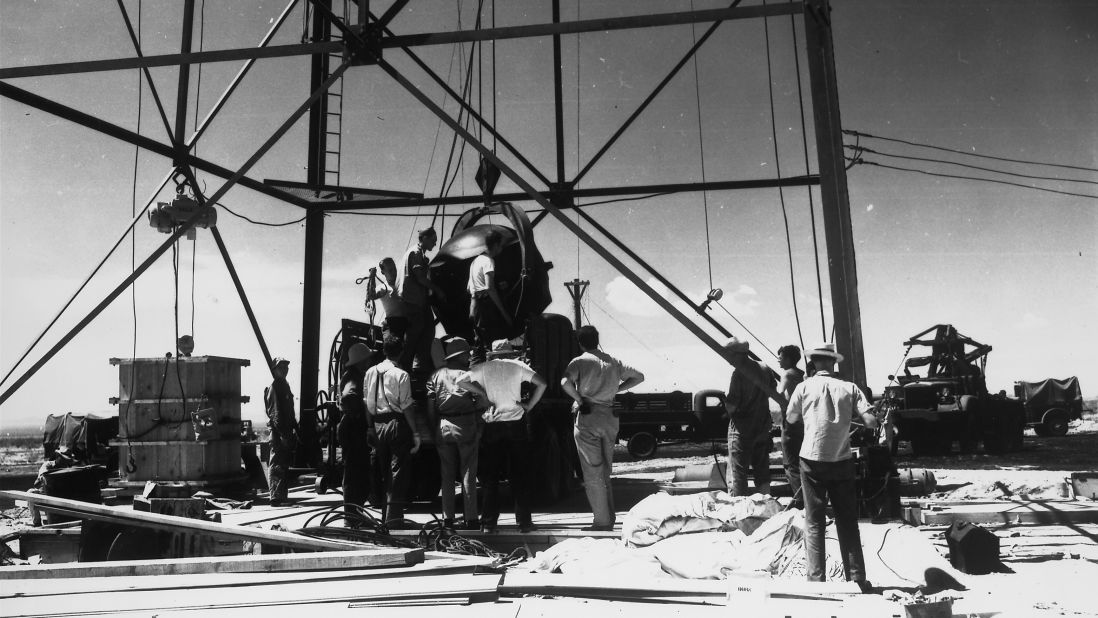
(827, 405)
(387, 391)
(452, 412)
(384, 288)
(415, 288)
(792, 435)
(486, 310)
(355, 432)
(592, 380)
(505, 443)
(64, 457)
(749, 419)
(282, 420)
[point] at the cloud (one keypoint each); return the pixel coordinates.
(1031, 322)
(625, 297)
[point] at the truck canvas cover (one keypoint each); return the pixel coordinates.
(88, 434)
(1051, 392)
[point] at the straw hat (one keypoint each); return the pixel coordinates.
(824, 349)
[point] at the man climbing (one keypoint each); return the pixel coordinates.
(486, 310)
(416, 288)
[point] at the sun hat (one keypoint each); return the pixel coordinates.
(456, 347)
(824, 349)
(358, 353)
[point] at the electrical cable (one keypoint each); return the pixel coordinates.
(753, 336)
(701, 148)
(969, 154)
(778, 172)
(808, 171)
(961, 177)
(254, 222)
(861, 149)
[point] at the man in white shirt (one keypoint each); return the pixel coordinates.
(827, 405)
(387, 391)
(505, 444)
(486, 310)
(592, 379)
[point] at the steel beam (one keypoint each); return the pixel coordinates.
(591, 25)
(648, 100)
(165, 60)
(684, 187)
(86, 120)
(183, 91)
(558, 96)
(835, 199)
(148, 75)
(243, 296)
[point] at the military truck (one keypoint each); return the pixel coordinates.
(1051, 404)
(942, 398)
(647, 419)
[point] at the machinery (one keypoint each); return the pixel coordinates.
(942, 398)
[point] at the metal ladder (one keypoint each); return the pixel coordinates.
(333, 115)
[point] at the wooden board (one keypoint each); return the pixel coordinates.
(178, 460)
(155, 378)
(318, 561)
(1018, 512)
(170, 523)
(171, 420)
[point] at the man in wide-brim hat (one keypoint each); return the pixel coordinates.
(749, 422)
(827, 405)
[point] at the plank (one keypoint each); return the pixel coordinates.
(156, 521)
(249, 598)
(314, 561)
(24, 588)
(1033, 512)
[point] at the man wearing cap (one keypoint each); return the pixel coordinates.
(486, 310)
(749, 419)
(415, 288)
(453, 414)
(792, 434)
(387, 391)
(593, 379)
(279, 402)
(355, 432)
(505, 443)
(827, 405)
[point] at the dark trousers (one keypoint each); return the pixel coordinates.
(821, 480)
(391, 462)
(418, 338)
(792, 436)
(282, 455)
(505, 449)
(356, 460)
(487, 322)
(748, 448)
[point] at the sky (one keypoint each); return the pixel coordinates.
(1009, 266)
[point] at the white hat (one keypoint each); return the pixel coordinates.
(824, 349)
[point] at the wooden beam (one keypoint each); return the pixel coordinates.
(271, 563)
(99, 512)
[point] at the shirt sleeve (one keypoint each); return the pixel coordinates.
(368, 384)
(794, 412)
(628, 372)
(572, 371)
(861, 404)
(404, 392)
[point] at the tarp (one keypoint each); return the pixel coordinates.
(1052, 392)
(88, 435)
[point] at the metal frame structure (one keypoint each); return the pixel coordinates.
(366, 42)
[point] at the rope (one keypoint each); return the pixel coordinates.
(778, 169)
(701, 150)
(807, 170)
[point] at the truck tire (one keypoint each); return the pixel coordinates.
(642, 445)
(1055, 423)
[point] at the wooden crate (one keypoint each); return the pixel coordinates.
(167, 460)
(156, 378)
(166, 420)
